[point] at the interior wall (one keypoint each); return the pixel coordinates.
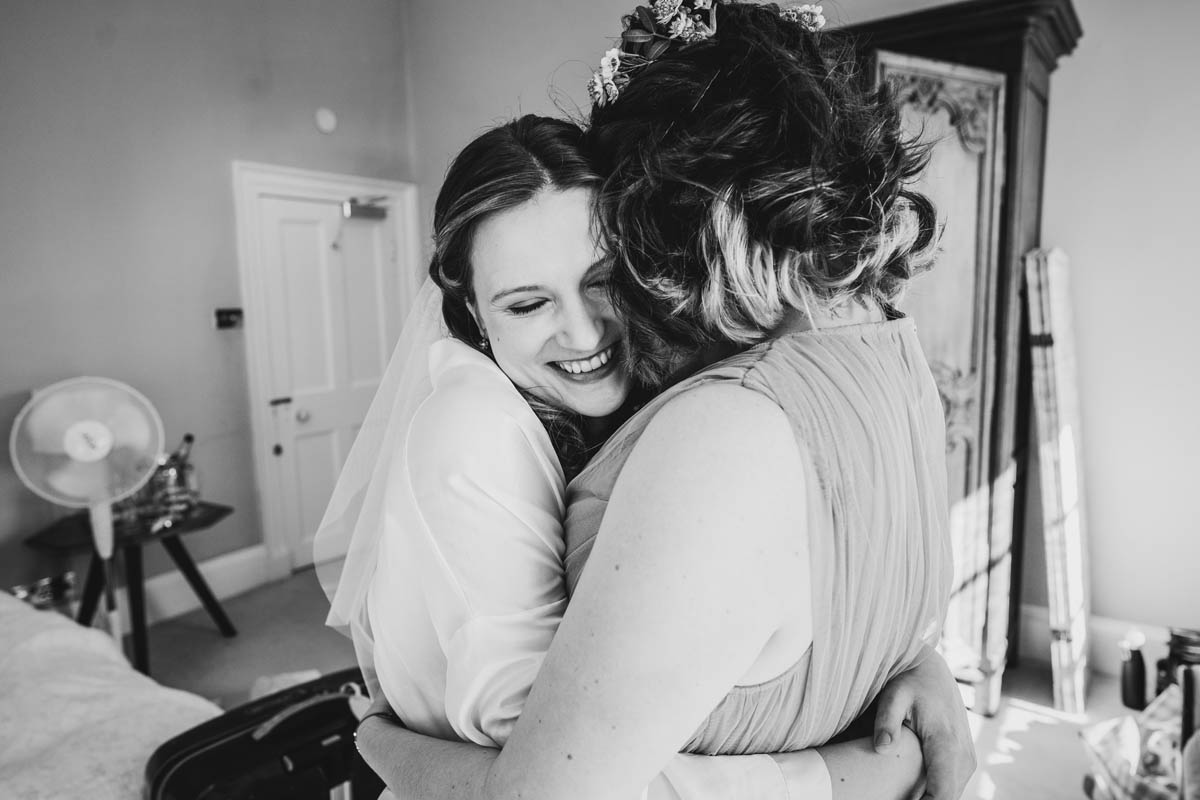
(119, 120)
(1121, 170)
(475, 65)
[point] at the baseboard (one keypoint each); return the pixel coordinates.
(168, 595)
(1104, 637)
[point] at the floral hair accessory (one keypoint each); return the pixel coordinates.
(809, 16)
(648, 33)
(603, 87)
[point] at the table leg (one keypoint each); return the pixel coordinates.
(93, 585)
(136, 589)
(187, 566)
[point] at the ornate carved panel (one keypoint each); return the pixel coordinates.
(958, 112)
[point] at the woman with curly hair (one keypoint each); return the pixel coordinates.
(766, 541)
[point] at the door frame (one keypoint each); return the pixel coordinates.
(252, 181)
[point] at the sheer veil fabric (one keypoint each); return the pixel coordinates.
(345, 546)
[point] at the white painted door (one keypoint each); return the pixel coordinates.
(329, 298)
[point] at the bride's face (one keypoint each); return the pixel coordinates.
(541, 295)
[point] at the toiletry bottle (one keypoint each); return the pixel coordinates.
(1189, 675)
(1133, 671)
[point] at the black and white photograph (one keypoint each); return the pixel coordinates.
(586, 400)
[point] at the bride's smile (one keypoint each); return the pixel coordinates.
(541, 296)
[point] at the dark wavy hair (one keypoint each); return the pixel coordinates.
(501, 169)
(747, 174)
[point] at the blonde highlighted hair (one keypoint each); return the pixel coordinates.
(748, 174)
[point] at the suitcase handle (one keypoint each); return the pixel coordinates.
(264, 730)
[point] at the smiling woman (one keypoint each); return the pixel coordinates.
(541, 288)
(515, 255)
(465, 588)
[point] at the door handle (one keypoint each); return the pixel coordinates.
(303, 416)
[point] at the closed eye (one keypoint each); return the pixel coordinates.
(526, 308)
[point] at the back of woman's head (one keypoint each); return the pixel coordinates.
(501, 169)
(748, 173)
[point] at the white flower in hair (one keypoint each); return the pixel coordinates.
(610, 64)
(603, 86)
(665, 10)
(596, 89)
(809, 16)
(646, 37)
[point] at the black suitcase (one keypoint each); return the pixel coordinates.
(296, 744)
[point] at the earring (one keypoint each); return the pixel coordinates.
(484, 345)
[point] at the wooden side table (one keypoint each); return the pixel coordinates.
(73, 534)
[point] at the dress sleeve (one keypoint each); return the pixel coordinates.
(490, 492)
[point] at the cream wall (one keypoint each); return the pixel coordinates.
(1119, 197)
(1121, 182)
(119, 120)
(474, 65)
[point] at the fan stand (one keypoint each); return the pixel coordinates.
(102, 537)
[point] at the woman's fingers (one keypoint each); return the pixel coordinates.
(927, 697)
(895, 703)
(378, 705)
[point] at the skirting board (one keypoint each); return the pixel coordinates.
(1104, 635)
(168, 595)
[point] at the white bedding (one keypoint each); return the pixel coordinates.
(76, 720)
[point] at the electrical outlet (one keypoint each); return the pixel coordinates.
(227, 318)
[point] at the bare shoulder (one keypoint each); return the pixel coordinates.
(717, 438)
(723, 415)
(714, 487)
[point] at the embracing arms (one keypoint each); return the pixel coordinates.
(925, 699)
(666, 589)
(689, 579)
(418, 767)
(480, 499)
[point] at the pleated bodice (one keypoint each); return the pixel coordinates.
(864, 408)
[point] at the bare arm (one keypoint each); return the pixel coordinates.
(418, 767)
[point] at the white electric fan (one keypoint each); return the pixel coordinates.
(87, 443)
